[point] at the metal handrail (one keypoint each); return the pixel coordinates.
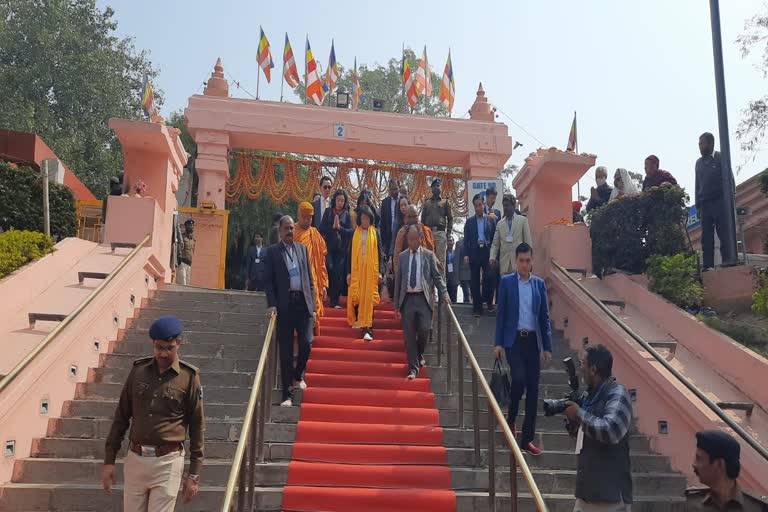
(252, 434)
(6, 381)
(751, 441)
(495, 415)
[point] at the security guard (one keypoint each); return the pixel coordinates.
(163, 398)
(186, 252)
(717, 466)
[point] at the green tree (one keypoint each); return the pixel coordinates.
(63, 74)
(385, 83)
(754, 121)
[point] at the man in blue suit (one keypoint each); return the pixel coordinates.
(478, 235)
(524, 335)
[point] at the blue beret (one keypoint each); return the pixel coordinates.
(436, 182)
(189, 221)
(718, 444)
(165, 328)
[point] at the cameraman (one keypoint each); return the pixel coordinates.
(604, 475)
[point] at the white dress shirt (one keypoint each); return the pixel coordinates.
(418, 287)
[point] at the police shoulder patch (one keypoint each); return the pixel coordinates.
(194, 368)
(143, 360)
(692, 492)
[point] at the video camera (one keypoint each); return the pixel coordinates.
(557, 406)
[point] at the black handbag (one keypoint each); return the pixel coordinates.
(501, 386)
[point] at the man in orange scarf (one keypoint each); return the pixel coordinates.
(401, 243)
(309, 236)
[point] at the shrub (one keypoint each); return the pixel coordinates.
(674, 278)
(17, 248)
(626, 232)
(760, 297)
(21, 202)
(752, 337)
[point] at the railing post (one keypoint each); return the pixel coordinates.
(460, 377)
(449, 366)
(263, 400)
(439, 327)
(241, 483)
(476, 419)
(513, 480)
(251, 456)
(448, 329)
(491, 460)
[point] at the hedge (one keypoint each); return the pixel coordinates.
(627, 232)
(17, 248)
(21, 202)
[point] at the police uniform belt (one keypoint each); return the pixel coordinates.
(155, 451)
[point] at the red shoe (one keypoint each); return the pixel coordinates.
(531, 448)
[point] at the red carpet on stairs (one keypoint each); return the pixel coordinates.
(368, 439)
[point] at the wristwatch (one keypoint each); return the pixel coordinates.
(194, 478)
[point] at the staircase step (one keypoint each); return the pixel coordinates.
(355, 355)
(362, 382)
(363, 397)
(220, 317)
(352, 333)
(83, 428)
(141, 327)
(210, 379)
(96, 390)
(68, 448)
(257, 306)
(106, 409)
(378, 323)
(205, 364)
(404, 477)
(337, 499)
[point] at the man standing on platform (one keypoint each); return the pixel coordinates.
(254, 265)
(290, 294)
(511, 231)
(710, 199)
(305, 234)
(161, 401)
(655, 177)
(524, 336)
(451, 271)
(388, 214)
(323, 202)
(184, 272)
(401, 242)
(414, 300)
(436, 213)
(478, 235)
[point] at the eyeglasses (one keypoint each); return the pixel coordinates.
(327, 187)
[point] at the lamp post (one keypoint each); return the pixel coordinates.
(729, 187)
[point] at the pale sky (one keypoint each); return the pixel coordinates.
(639, 74)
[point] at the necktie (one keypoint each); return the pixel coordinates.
(412, 283)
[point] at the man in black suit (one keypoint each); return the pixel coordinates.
(291, 294)
(254, 265)
(451, 270)
(478, 235)
(323, 202)
(388, 214)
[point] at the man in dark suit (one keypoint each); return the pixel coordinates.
(254, 265)
(464, 273)
(388, 214)
(524, 335)
(451, 270)
(416, 278)
(478, 235)
(323, 202)
(291, 294)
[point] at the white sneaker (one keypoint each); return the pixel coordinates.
(423, 362)
(412, 375)
(300, 384)
(336, 307)
(287, 403)
(368, 337)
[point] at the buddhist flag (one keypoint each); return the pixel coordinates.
(573, 142)
(447, 85)
(264, 57)
(409, 84)
(290, 73)
(314, 84)
(357, 89)
(332, 74)
(148, 98)
(423, 76)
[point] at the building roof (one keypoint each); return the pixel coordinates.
(29, 149)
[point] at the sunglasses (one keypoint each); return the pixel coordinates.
(327, 187)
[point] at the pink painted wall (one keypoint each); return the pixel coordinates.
(660, 396)
(570, 245)
(742, 367)
(730, 289)
(47, 376)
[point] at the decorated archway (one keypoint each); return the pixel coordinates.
(475, 148)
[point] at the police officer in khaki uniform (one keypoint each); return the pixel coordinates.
(186, 252)
(161, 400)
(717, 466)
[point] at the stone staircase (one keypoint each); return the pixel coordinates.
(224, 335)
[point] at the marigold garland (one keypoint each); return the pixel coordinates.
(256, 175)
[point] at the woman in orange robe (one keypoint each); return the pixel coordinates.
(306, 234)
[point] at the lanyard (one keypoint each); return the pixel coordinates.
(288, 251)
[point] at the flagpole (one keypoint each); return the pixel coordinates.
(306, 64)
(282, 80)
(450, 112)
(402, 70)
(576, 148)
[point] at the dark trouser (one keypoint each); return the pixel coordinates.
(712, 216)
(417, 322)
(524, 369)
(476, 265)
(255, 285)
(465, 292)
(494, 279)
(453, 288)
(296, 319)
(337, 276)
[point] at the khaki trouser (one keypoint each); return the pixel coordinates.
(583, 506)
(184, 274)
(441, 245)
(152, 483)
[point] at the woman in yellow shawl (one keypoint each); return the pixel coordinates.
(365, 274)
